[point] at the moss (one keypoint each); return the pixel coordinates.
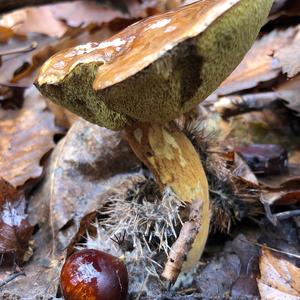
(173, 84)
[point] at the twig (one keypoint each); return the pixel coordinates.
(230, 106)
(25, 49)
(279, 251)
(275, 218)
(183, 244)
(273, 249)
(10, 278)
(287, 214)
(272, 218)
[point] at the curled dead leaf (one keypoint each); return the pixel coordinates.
(272, 54)
(289, 56)
(280, 279)
(33, 19)
(15, 230)
(5, 34)
(26, 136)
(20, 69)
(85, 168)
(82, 13)
(290, 92)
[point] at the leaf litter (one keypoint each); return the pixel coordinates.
(60, 197)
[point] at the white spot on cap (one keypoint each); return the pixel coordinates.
(170, 28)
(59, 65)
(114, 43)
(159, 24)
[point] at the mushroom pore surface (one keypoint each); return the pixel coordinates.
(170, 85)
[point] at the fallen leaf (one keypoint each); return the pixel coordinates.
(80, 13)
(264, 159)
(33, 19)
(269, 126)
(280, 279)
(19, 63)
(232, 273)
(217, 277)
(63, 117)
(248, 254)
(15, 230)
(242, 170)
(262, 62)
(290, 92)
(86, 168)
(26, 136)
(277, 6)
(285, 8)
(280, 197)
(5, 34)
(258, 65)
(20, 69)
(289, 56)
(292, 8)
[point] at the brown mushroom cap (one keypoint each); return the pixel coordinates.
(155, 69)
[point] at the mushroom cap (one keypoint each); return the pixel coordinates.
(158, 68)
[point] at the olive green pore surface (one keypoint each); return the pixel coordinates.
(75, 93)
(172, 85)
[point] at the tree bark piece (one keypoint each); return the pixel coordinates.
(168, 153)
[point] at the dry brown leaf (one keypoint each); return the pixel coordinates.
(231, 274)
(86, 168)
(21, 68)
(5, 34)
(63, 117)
(34, 19)
(260, 64)
(15, 230)
(142, 8)
(243, 171)
(285, 8)
(290, 92)
(280, 279)
(26, 136)
(292, 8)
(282, 189)
(81, 13)
(22, 63)
(289, 56)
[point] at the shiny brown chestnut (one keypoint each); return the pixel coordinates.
(94, 275)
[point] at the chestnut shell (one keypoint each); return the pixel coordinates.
(94, 275)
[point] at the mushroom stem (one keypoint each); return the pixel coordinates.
(169, 154)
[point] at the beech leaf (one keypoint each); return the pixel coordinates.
(280, 279)
(26, 135)
(15, 230)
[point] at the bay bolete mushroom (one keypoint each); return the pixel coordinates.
(144, 77)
